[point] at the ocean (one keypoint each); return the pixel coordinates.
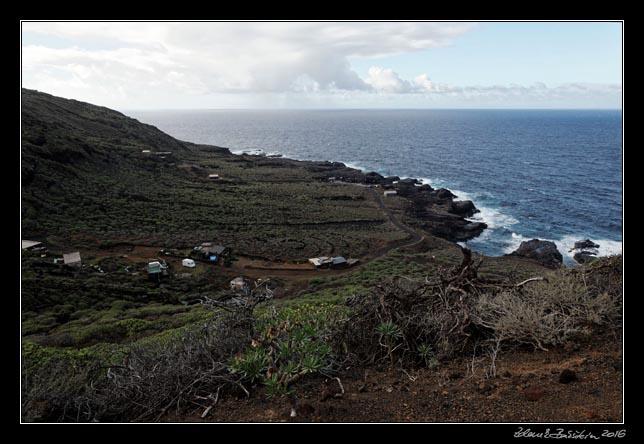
(548, 174)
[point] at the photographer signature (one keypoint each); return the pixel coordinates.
(568, 434)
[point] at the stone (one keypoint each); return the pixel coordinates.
(544, 252)
(583, 244)
(584, 257)
(463, 208)
(534, 393)
(568, 376)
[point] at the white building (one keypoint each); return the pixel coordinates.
(73, 259)
(188, 263)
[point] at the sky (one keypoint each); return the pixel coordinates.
(276, 65)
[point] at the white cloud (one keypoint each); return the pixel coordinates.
(206, 58)
(387, 81)
(129, 65)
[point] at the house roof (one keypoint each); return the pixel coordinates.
(215, 249)
(317, 261)
(338, 260)
(72, 258)
(29, 244)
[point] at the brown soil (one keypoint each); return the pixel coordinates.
(527, 389)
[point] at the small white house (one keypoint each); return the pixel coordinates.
(390, 193)
(72, 259)
(188, 263)
(213, 176)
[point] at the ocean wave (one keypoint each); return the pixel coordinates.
(515, 241)
(426, 181)
(607, 247)
(493, 217)
(356, 166)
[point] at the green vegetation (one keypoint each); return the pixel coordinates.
(292, 343)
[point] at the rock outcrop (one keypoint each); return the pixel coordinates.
(463, 208)
(583, 244)
(437, 212)
(544, 252)
(585, 251)
(432, 210)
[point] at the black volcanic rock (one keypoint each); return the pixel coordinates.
(409, 182)
(584, 244)
(544, 252)
(373, 178)
(584, 257)
(436, 211)
(463, 208)
(444, 193)
(586, 251)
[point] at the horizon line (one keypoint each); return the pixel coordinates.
(370, 109)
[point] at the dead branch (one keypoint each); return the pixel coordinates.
(539, 278)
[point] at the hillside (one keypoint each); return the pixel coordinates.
(415, 301)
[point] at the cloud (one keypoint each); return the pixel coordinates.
(204, 58)
(129, 65)
(387, 81)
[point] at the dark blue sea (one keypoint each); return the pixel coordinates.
(548, 174)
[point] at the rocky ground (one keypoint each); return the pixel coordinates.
(580, 384)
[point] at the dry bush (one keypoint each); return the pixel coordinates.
(457, 311)
(180, 371)
(56, 392)
(569, 305)
(429, 315)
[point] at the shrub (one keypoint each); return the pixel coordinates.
(550, 312)
(291, 343)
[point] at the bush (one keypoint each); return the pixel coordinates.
(550, 312)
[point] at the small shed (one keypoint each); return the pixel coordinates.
(72, 259)
(210, 252)
(213, 176)
(388, 193)
(154, 267)
(145, 151)
(28, 245)
(188, 263)
(339, 262)
(320, 261)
